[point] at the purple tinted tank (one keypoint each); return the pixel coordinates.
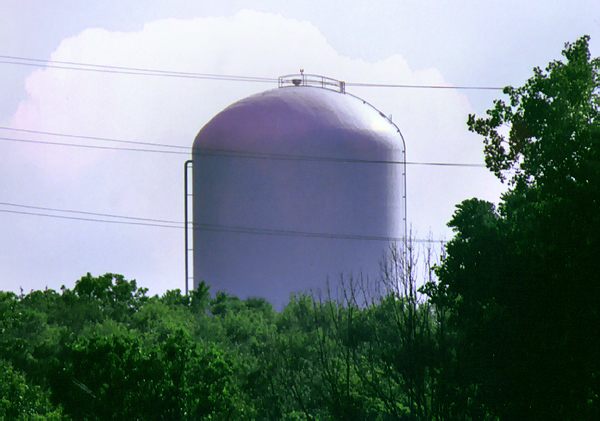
(291, 190)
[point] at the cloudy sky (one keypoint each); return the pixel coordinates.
(493, 43)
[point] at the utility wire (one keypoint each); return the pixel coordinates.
(146, 73)
(79, 145)
(235, 154)
(105, 139)
(141, 69)
(104, 68)
(395, 85)
(221, 228)
(110, 215)
(87, 219)
(286, 157)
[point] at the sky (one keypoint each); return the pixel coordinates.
(493, 43)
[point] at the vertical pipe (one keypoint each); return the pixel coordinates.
(186, 223)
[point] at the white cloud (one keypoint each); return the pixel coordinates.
(172, 111)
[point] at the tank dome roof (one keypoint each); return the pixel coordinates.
(302, 120)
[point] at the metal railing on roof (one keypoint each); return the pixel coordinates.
(307, 79)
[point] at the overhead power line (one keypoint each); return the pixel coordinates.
(396, 85)
(109, 215)
(87, 219)
(104, 139)
(143, 71)
(286, 157)
(134, 71)
(80, 145)
(201, 227)
(214, 152)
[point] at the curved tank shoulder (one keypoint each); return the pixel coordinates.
(302, 120)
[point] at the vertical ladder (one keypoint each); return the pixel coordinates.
(189, 226)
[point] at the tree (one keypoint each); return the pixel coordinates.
(522, 280)
(19, 400)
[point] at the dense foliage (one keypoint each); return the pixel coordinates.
(506, 327)
(522, 279)
(105, 350)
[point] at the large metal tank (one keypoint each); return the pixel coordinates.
(294, 187)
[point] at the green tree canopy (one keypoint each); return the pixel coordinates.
(523, 279)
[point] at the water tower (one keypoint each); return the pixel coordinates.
(294, 187)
